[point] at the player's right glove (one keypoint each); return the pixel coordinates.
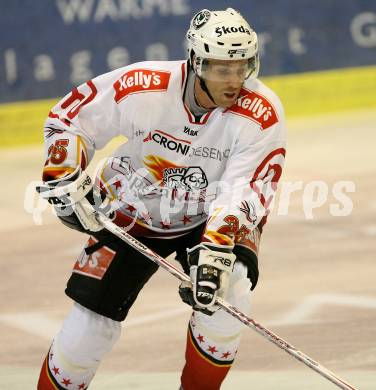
(210, 268)
(76, 202)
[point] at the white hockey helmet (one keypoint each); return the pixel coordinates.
(222, 35)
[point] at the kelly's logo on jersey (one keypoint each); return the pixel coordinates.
(169, 142)
(141, 80)
(256, 107)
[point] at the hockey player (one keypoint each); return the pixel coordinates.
(204, 152)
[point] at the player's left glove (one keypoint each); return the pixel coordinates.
(210, 268)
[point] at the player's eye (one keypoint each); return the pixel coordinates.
(223, 71)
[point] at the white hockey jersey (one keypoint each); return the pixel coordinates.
(174, 172)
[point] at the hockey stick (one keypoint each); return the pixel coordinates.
(159, 260)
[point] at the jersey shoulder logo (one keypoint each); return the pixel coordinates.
(256, 107)
(140, 80)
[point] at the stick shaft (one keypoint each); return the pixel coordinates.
(232, 310)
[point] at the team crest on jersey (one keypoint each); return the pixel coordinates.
(186, 178)
(256, 107)
(140, 80)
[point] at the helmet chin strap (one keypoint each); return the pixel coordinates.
(206, 90)
(203, 85)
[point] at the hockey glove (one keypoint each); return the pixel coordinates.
(75, 202)
(210, 268)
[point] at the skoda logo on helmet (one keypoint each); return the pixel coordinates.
(200, 19)
(233, 29)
